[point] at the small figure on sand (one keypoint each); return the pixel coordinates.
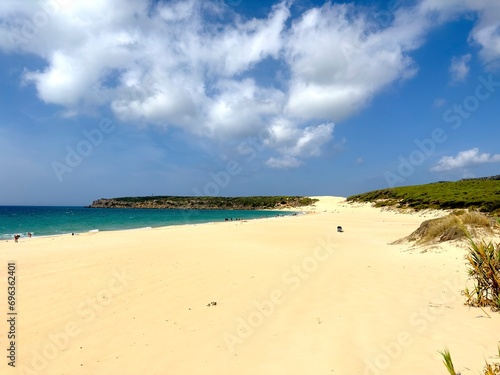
(29, 234)
(16, 237)
(339, 229)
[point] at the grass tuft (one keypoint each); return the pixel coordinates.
(477, 219)
(489, 368)
(448, 363)
(484, 268)
(492, 369)
(442, 229)
(451, 227)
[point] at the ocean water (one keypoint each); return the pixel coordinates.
(46, 221)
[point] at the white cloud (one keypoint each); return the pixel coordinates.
(294, 143)
(284, 162)
(173, 68)
(310, 140)
(465, 159)
(459, 68)
(240, 107)
(486, 31)
(238, 48)
(339, 62)
(191, 64)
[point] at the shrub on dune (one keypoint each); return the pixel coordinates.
(484, 269)
(451, 227)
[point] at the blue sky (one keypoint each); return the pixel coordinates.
(129, 98)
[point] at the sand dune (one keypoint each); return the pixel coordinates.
(272, 296)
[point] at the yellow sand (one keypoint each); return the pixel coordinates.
(285, 296)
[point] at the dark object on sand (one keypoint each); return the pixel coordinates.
(339, 229)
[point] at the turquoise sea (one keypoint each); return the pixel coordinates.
(46, 221)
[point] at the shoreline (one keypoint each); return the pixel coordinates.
(164, 227)
(25, 237)
(259, 296)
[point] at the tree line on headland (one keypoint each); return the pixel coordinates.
(205, 202)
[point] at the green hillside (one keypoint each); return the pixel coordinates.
(482, 194)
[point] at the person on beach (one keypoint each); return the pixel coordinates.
(16, 237)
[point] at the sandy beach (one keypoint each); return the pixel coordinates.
(287, 295)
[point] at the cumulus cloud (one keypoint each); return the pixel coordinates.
(486, 31)
(293, 143)
(465, 159)
(195, 64)
(339, 61)
(459, 68)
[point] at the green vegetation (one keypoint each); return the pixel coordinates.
(479, 194)
(454, 226)
(489, 368)
(221, 203)
(484, 269)
(466, 197)
(448, 362)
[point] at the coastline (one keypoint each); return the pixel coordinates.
(118, 231)
(291, 296)
(77, 220)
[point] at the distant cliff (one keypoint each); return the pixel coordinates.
(207, 203)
